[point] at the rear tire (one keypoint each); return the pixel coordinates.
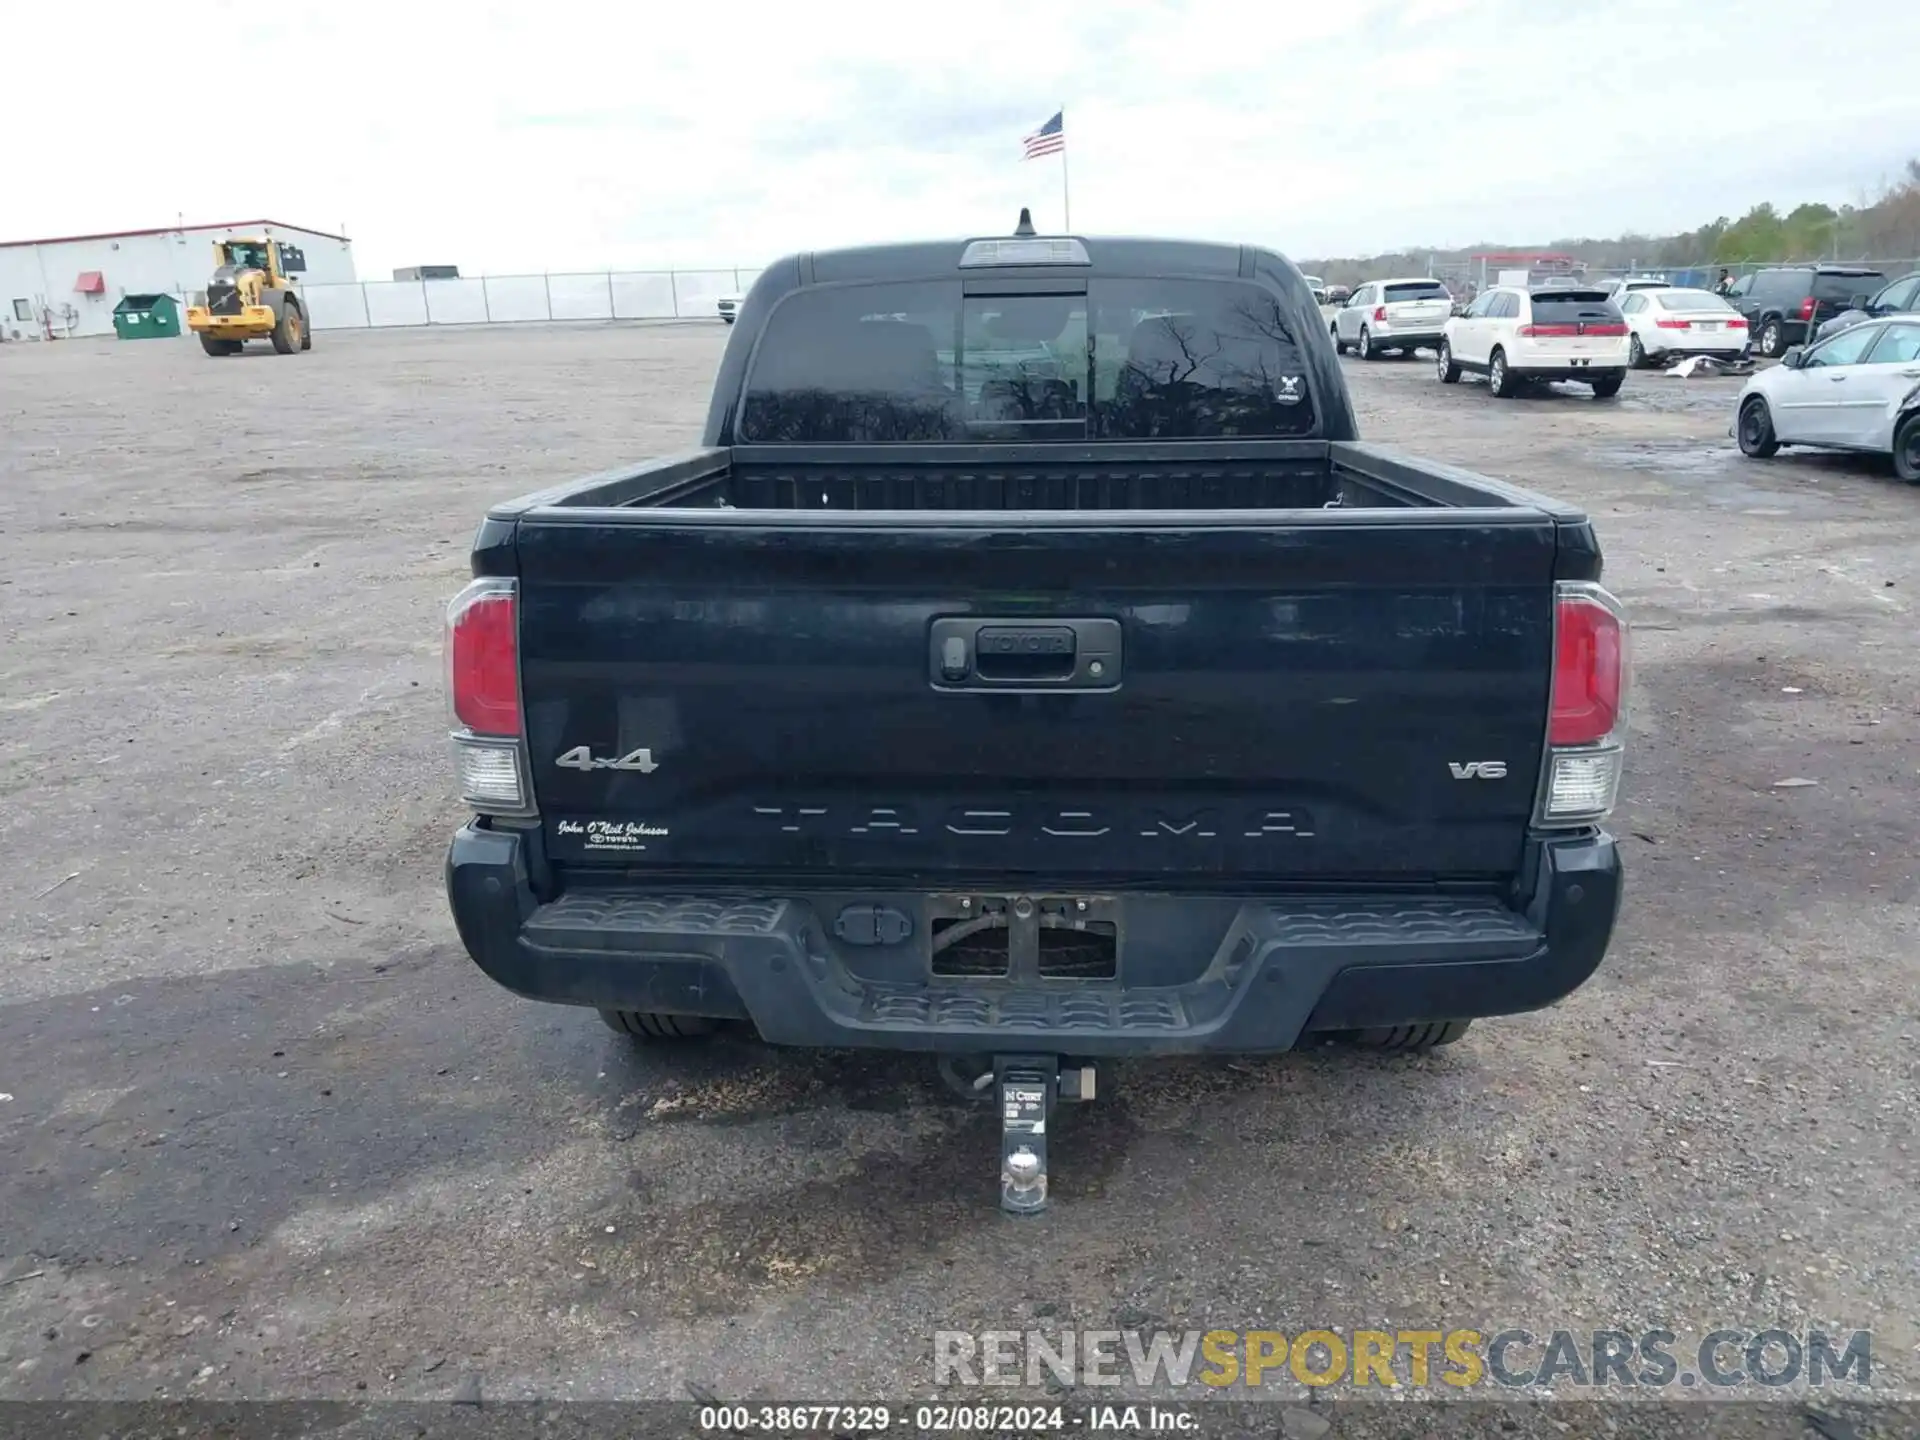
(287, 331)
(1367, 352)
(1906, 450)
(214, 345)
(1448, 371)
(1636, 354)
(1773, 339)
(1755, 431)
(1405, 1039)
(1339, 345)
(651, 1025)
(1499, 378)
(1608, 386)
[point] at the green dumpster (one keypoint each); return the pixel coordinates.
(146, 317)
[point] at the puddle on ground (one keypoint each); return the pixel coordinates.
(1716, 472)
(1700, 395)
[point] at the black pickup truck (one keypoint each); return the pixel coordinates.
(1032, 666)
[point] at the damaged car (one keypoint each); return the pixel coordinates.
(1857, 390)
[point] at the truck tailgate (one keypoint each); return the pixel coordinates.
(1240, 699)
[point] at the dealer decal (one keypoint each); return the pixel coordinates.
(607, 836)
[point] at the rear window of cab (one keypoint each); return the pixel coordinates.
(921, 362)
(1566, 306)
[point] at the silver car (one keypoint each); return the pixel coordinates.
(1392, 315)
(1855, 390)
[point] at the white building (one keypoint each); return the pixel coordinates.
(71, 283)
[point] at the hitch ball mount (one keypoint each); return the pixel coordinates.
(1028, 1087)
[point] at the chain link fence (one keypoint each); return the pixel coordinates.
(610, 295)
(524, 299)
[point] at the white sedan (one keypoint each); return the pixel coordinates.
(1857, 390)
(1669, 324)
(1618, 290)
(729, 307)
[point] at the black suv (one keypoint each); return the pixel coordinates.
(1786, 304)
(1901, 297)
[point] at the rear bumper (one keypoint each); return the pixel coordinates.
(1723, 347)
(1407, 339)
(1279, 969)
(1599, 370)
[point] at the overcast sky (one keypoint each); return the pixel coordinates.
(507, 137)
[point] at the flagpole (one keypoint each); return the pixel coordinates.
(1066, 196)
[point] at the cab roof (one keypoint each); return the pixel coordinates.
(928, 259)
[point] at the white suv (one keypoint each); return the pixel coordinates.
(1517, 336)
(1400, 315)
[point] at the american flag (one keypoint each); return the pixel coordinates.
(1049, 139)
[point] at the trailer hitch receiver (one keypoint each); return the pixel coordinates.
(1027, 1088)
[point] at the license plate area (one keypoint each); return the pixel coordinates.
(1023, 937)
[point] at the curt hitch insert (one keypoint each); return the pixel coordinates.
(1027, 1087)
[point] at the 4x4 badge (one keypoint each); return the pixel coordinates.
(581, 758)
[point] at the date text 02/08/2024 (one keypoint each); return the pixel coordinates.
(942, 1419)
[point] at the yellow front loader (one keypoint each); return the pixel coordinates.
(250, 297)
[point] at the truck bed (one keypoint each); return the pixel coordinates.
(1299, 475)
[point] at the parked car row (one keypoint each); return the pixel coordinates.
(1552, 331)
(1848, 341)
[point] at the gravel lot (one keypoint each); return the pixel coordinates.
(265, 1132)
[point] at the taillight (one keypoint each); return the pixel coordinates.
(483, 671)
(1738, 322)
(1674, 324)
(1549, 329)
(483, 690)
(1806, 308)
(1379, 313)
(1587, 718)
(1605, 327)
(1588, 666)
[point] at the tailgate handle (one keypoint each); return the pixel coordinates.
(1025, 652)
(971, 654)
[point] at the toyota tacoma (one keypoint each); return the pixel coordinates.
(1033, 665)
